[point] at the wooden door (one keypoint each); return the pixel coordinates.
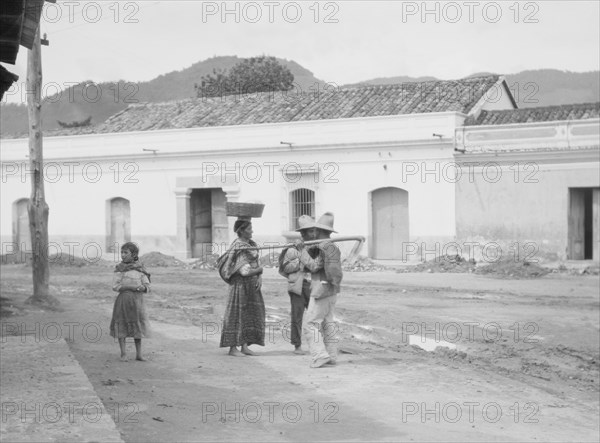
(389, 222)
(220, 225)
(201, 222)
(596, 224)
(576, 228)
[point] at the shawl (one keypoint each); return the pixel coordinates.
(133, 266)
(232, 261)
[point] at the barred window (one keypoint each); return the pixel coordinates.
(302, 202)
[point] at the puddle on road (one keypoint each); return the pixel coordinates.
(276, 322)
(370, 334)
(428, 344)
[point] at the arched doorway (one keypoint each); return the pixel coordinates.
(389, 222)
(118, 223)
(21, 232)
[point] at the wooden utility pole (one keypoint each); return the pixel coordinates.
(37, 207)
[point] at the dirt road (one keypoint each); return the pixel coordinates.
(520, 360)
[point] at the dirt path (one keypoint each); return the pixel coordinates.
(536, 381)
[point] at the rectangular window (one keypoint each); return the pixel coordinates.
(301, 193)
(302, 202)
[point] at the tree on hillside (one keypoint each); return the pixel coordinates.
(255, 74)
(76, 124)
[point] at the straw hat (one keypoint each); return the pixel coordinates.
(305, 222)
(325, 222)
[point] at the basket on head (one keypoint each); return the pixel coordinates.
(238, 209)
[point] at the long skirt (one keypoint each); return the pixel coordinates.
(244, 319)
(129, 316)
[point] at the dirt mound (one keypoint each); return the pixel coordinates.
(363, 264)
(510, 268)
(15, 258)
(270, 260)
(157, 259)
(588, 270)
(210, 262)
(6, 307)
(61, 259)
(593, 269)
(70, 260)
(444, 263)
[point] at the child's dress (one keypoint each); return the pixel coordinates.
(129, 312)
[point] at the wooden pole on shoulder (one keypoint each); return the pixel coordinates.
(352, 256)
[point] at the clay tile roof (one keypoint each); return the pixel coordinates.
(542, 114)
(275, 107)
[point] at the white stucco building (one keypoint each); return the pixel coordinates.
(383, 159)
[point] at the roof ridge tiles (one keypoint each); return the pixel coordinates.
(571, 111)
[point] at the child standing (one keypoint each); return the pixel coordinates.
(129, 318)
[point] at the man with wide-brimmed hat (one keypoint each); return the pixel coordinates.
(298, 281)
(325, 265)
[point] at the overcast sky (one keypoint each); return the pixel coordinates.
(340, 42)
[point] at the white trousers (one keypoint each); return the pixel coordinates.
(320, 329)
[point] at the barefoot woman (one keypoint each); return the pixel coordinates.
(129, 318)
(244, 319)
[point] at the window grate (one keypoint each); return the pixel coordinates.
(302, 202)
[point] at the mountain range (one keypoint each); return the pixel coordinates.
(543, 87)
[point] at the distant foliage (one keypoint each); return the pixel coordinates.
(255, 74)
(75, 124)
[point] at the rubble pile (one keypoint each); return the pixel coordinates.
(63, 259)
(156, 259)
(15, 258)
(444, 263)
(210, 263)
(6, 307)
(513, 269)
(60, 259)
(587, 270)
(363, 264)
(270, 260)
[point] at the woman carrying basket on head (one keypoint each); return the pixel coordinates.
(244, 319)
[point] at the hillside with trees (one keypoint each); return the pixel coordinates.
(101, 100)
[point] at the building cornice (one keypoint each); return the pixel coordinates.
(391, 145)
(307, 136)
(540, 156)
